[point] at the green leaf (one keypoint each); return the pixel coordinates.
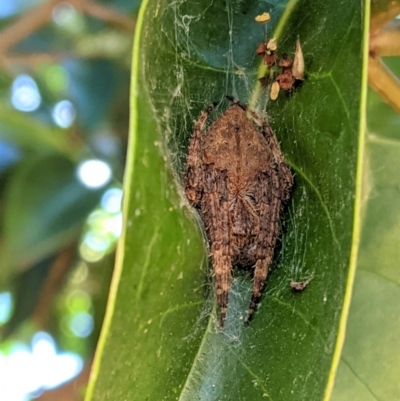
(27, 289)
(161, 339)
(45, 206)
(370, 362)
(32, 134)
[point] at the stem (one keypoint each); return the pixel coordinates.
(384, 82)
(381, 19)
(109, 15)
(387, 41)
(28, 23)
(36, 17)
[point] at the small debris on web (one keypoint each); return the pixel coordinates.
(299, 286)
(263, 18)
(286, 61)
(291, 69)
(298, 62)
(269, 58)
(261, 49)
(285, 80)
(274, 90)
(271, 45)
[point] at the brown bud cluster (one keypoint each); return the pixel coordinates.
(291, 69)
(285, 78)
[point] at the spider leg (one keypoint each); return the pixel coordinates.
(270, 204)
(192, 178)
(215, 211)
(285, 175)
(260, 277)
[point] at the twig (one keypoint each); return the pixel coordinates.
(59, 269)
(38, 16)
(381, 19)
(28, 23)
(70, 391)
(387, 41)
(31, 59)
(384, 41)
(106, 14)
(384, 82)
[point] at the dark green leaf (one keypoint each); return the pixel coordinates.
(28, 286)
(29, 133)
(161, 339)
(45, 206)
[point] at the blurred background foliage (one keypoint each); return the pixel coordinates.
(64, 91)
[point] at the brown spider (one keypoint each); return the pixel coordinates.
(237, 178)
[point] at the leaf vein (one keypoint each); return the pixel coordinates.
(359, 379)
(323, 204)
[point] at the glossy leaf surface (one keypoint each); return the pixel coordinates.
(161, 339)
